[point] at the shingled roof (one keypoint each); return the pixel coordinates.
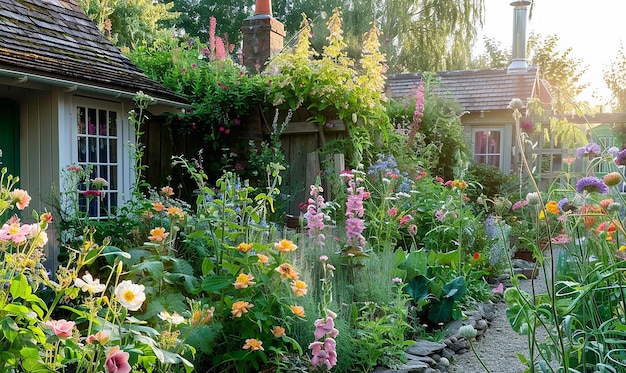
(475, 90)
(54, 42)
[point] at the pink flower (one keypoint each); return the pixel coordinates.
(92, 193)
(117, 361)
(412, 229)
(12, 231)
(323, 327)
(404, 220)
(61, 328)
(393, 212)
(498, 289)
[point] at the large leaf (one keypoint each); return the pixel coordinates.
(415, 264)
(153, 268)
(417, 288)
(455, 289)
(441, 310)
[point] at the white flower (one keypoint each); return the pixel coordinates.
(173, 319)
(39, 237)
(130, 295)
(468, 332)
(87, 283)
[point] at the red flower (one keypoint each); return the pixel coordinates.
(92, 193)
(476, 255)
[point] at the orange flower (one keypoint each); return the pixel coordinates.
(167, 191)
(158, 206)
(243, 281)
(589, 211)
(20, 197)
(240, 307)
(287, 271)
(299, 288)
(176, 213)
(263, 259)
(244, 247)
(297, 310)
(606, 202)
(552, 207)
(285, 246)
(278, 331)
(253, 345)
(158, 234)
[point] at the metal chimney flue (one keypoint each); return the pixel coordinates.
(520, 15)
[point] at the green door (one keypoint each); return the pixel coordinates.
(10, 139)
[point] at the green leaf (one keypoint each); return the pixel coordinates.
(455, 289)
(213, 283)
(207, 266)
(153, 268)
(29, 352)
(33, 365)
(20, 287)
(10, 328)
(441, 310)
(417, 288)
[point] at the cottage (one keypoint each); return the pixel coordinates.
(65, 94)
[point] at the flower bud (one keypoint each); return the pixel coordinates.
(468, 332)
(612, 179)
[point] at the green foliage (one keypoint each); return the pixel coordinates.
(223, 96)
(489, 179)
(559, 69)
(331, 87)
(129, 23)
(615, 79)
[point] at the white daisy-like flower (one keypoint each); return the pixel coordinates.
(130, 295)
(88, 284)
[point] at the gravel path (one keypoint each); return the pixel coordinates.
(499, 346)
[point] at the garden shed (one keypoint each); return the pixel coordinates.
(65, 94)
(484, 95)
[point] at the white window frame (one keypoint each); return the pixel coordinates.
(125, 135)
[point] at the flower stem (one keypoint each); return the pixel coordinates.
(478, 357)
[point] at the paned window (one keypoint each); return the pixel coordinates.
(99, 144)
(488, 147)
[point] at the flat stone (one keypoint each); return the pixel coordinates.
(424, 359)
(487, 311)
(425, 348)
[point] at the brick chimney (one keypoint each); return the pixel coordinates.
(520, 14)
(263, 36)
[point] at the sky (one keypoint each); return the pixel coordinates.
(593, 29)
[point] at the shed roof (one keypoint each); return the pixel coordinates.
(55, 40)
(475, 90)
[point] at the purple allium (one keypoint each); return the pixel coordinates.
(562, 203)
(591, 149)
(620, 158)
(613, 150)
(591, 184)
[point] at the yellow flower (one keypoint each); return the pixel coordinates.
(244, 247)
(253, 345)
(542, 215)
(243, 281)
(158, 234)
(285, 246)
(299, 288)
(297, 310)
(240, 307)
(263, 259)
(278, 331)
(287, 271)
(552, 207)
(622, 248)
